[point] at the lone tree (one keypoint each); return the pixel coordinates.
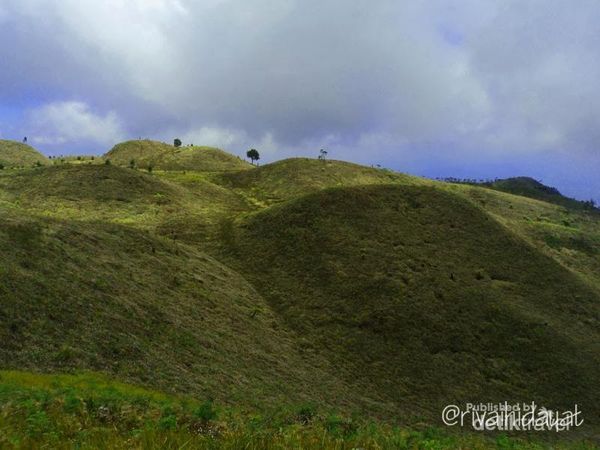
(323, 154)
(253, 155)
(177, 142)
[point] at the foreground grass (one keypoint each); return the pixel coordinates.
(91, 411)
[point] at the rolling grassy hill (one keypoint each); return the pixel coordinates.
(15, 154)
(161, 156)
(110, 298)
(289, 178)
(299, 282)
(423, 299)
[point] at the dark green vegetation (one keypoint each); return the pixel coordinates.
(300, 282)
(144, 154)
(15, 154)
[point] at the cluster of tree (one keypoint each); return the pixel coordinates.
(472, 181)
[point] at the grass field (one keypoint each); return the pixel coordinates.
(91, 411)
(360, 292)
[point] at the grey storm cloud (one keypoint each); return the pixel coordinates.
(397, 80)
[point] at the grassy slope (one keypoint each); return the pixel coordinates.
(163, 156)
(409, 290)
(16, 154)
(571, 236)
(108, 297)
(109, 211)
(91, 411)
(107, 193)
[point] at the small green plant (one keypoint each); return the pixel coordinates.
(306, 414)
(206, 411)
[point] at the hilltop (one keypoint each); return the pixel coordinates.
(289, 178)
(162, 156)
(16, 154)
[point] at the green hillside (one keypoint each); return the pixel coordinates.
(305, 285)
(409, 289)
(145, 153)
(15, 154)
(109, 298)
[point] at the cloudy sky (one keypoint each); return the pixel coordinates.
(468, 88)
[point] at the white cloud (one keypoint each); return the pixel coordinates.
(474, 78)
(72, 121)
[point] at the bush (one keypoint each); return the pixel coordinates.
(1, 166)
(206, 411)
(306, 414)
(107, 162)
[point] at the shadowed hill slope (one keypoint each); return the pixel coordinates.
(570, 235)
(422, 300)
(16, 154)
(161, 156)
(110, 298)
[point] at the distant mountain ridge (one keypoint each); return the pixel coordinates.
(528, 187)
